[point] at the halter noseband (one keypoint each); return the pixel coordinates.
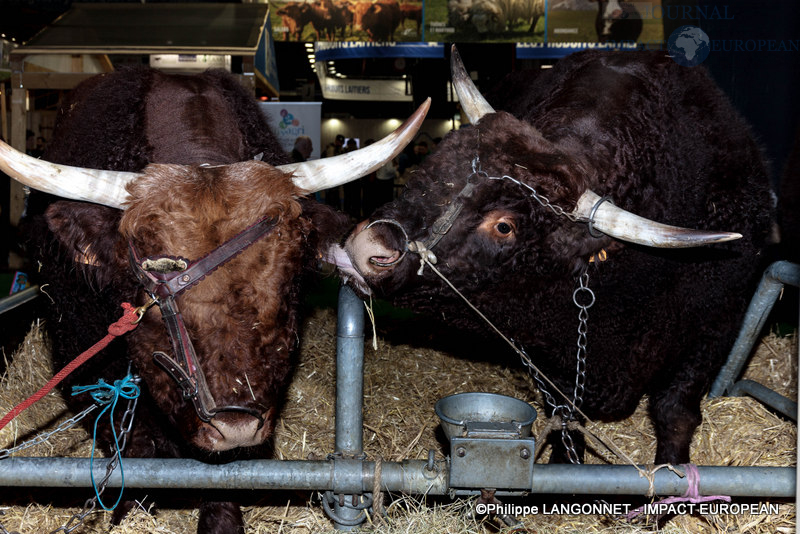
(164, 278)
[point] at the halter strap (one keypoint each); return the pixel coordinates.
(164, 278)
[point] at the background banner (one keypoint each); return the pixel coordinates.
(291, 119)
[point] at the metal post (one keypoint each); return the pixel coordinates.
(349, 394)
(775, 276)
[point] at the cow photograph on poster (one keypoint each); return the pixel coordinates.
(604, 21)
(485, 20)
(347, 20)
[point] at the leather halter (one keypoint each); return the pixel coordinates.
(164, 278)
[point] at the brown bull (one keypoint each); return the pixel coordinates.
(215, 352)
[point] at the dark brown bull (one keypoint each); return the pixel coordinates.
(295, 16)
(515, 213)
(340, 16)
(409, 11)
(213, 390)
(381, 19)
(617, 21)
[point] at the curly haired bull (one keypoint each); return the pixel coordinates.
(660, 141)
(214, 358)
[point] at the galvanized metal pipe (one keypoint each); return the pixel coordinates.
(625, 480)
(349, 395)
(766, 396)
(775, 276)
(409, 476)
(349, 373)
(18, 299)
(339, 476)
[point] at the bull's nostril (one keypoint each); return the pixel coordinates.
(385, 261)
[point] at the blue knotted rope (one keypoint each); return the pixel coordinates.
(106, 394)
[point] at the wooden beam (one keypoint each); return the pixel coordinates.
(3, 112)
(18, 129)
(105, 62)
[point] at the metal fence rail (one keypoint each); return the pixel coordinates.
(409, 476)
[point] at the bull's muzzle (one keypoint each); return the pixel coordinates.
(229, 430)
(377, 246)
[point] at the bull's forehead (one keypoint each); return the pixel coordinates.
(213, 201)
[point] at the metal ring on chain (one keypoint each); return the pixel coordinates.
(588, 292)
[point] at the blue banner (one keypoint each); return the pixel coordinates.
(559, 50)
(265, 62)
(328, 51)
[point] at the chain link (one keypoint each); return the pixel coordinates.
(77, 519)
(540, 198)
(2, 528)
(566, 411)
(41, 438)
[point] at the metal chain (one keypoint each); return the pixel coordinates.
(2, 528)
(540, 198)
(76, 520)
(580, 367)
(41, 438)
(567, 411)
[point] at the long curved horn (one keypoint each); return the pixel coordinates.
(616, 222)
(472, 102)
(90, 185)
(316, 175)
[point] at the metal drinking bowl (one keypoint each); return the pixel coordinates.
(461, 410)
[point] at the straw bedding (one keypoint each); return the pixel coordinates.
(402, 383)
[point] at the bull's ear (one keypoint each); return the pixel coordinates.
(87, 233)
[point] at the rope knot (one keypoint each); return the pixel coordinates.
(105, 393)
(108, 395)
(691, 495)
(126, 323)
(425, 254)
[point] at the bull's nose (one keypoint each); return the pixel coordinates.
(377, 246)
(228, 431)
(385, 262)
(396, 238)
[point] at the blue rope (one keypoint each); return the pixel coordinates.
(108, 395)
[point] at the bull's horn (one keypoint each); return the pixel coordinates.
(616, 222)
(472, 102)
(316, 175)
(90, 185)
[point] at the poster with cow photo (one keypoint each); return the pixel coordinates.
(521, 21)
(347, 20)
(604, 21)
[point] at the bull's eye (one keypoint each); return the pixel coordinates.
(499, 225)
(504, 228)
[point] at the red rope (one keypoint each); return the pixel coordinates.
(125, 324)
